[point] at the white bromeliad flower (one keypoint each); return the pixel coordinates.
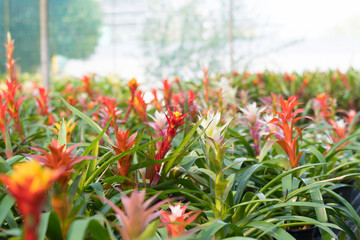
(210, 124)
(228, 92)
(251, 112)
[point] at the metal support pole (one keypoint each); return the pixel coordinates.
(44, 44)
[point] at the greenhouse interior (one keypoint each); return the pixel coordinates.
(165, 119)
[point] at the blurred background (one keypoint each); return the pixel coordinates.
(156, 39)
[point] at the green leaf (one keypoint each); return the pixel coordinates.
(96, 140)
(88, 120)
(271, 229)
(150, 230)
(320, 157)
(77, 229)
(209, 173)
(210, 229)
(98, 231)
(102, 168)
(54, 228)
(183, 143)
(239, 238)
(62, 134)
(6, 203)
(98, 190)
(324, 226)
(266, 148)
(114, 199)
(242, 180)
(44, 219)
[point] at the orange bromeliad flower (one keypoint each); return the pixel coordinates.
(29, 185)
(133, 85)
(109, 109)
(286, 121)
(123, 144)
(10, 64)
(176, 221)
(59, 158)
(140, 105)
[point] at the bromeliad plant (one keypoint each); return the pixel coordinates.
(29, 184)
(137, 219)
(286, 120)
(174, 120)
(176, 220)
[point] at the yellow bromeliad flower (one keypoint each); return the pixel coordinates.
(29, 184)
(69, 128)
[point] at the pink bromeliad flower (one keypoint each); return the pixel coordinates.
(137, 213)
(176, 220)
(251, 117)
(159, 124)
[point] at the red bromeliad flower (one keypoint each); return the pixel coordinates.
(29, 185)
(175, 120)
(123, 144)
(176, 221)
(259, 79)
(137, 214)
(13, 104)
(177, 81)
(302, 89)
(327, 106)
(109, 109)
(3, 123)
(288, 77)
(206, 84)
(43, 105)
(155, 100)
(167, 90)
(286, 121)
(140, 105)
(87, 85)
(59, 158)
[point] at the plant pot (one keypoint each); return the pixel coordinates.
(302, 234)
